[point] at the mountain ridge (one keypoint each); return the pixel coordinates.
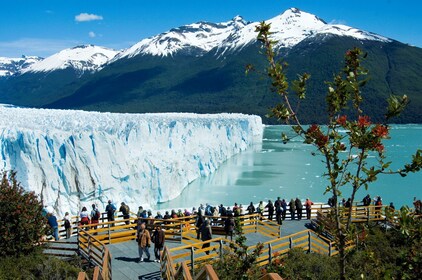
(209, 78)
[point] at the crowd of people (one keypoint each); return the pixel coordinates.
(205, 217)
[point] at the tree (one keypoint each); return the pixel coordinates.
(21, 222)
(336, 147)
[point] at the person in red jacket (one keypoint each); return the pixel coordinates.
(308, 206)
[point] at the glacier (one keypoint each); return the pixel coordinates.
(76, 158)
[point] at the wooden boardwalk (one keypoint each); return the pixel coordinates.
(125, 255)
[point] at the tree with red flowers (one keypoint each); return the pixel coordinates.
(21, 222)
(344, 154)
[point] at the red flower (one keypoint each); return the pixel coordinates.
(364, 121)
(313, 128)
(341, 120)
(380, 131)
(379, 147)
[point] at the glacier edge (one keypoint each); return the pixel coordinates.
(75, 158)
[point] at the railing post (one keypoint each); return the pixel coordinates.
(78, 240)
(221, 248)
(181, 232)
(309, 241)
(89, 249)
(270, 253)
(109, 237)
(329, 249)
(192, 260)
(290, 243)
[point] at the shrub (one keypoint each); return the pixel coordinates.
(21, 222)
(36, 265)
(301, 265)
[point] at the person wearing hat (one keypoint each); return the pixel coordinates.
(125, 211)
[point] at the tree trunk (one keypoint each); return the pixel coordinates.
(341, 247)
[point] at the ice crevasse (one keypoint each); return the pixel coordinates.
(76, 158)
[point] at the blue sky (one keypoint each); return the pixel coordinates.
(43, 27)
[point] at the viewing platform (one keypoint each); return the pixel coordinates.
(113, 252)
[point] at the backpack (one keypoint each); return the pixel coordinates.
(97, 214)
(66, 223)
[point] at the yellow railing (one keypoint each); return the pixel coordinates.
(96, 253)
(182, 261)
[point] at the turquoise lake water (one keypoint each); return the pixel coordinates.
(272, 169)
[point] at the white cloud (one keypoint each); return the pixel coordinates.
(91, 34)
(87, 17)
(34, 46)
(338, 21)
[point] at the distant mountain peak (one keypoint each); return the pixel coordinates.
(11, 66)
(81, 58)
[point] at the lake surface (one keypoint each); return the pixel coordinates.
(272, 169)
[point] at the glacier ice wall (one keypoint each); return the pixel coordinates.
(76, 158)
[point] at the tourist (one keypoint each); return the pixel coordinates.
(278, 210)
(140, 210)
(187, 213)
(241, 210)
(308, 206)
(84, 216)
(284, 207)
(166, 215)
(201, 209)
(52, 222)
(194, 211)
(299, 208)
(144, 242)
(198, 224)
(229, 227)
(159, 216)
(229, 212)
(222, 210)
(208, 211)
(378, 206)
(173, 214)
(251, 208)
(67, 225)
(418, 206)
(391, 207)
(95, 216)
(215, 216)
(110, 209)
(180, 213)
(331, 201)
(270, 207)
(235, 209)
(125, 211)
(158, 238)
(260, 208)
(292, 208)
(366, 200)
(348, 203)
(206, 234)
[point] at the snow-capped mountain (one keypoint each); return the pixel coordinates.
(290, 28)
(10, 66)
(81, 58)
(196, 39)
